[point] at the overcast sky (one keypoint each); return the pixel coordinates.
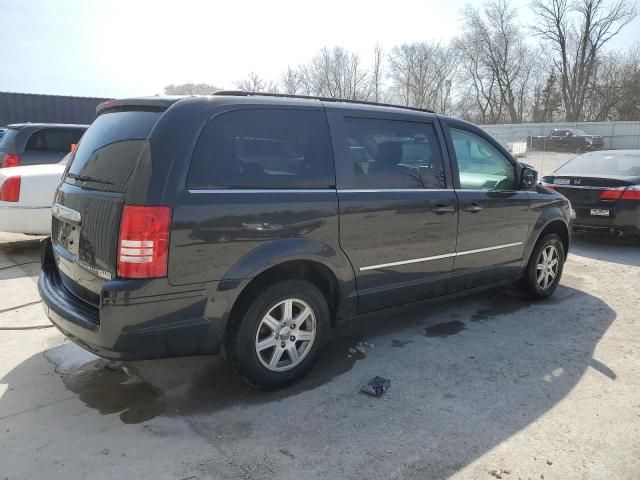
(136, 47)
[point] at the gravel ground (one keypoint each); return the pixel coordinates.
(489, 386)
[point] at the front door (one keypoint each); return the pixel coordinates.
(398, 210)
(494, 214)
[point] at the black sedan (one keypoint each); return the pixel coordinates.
(604, 190)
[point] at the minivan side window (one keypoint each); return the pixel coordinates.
(264, 148)
(391, 154)
(53, 140)
(481, 166)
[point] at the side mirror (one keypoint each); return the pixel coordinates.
(528, 178)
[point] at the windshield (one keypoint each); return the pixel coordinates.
(603, 163)
(108, 151)
(577, 131)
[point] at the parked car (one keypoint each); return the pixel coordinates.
(37, 143)
(569, 139)
(604, 189)
(169, 240)
(26, 195)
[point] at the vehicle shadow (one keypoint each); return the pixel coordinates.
(465, 375)
(608, 248)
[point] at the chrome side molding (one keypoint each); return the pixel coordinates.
(439, 257)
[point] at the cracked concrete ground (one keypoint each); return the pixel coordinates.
(483, 387)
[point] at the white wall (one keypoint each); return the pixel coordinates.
(617, 135)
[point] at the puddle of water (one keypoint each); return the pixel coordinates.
(123, 391)
(114, 391)
(444, 329)
(109, 391)
(400, 343)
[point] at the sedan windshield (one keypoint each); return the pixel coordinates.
(603, 163)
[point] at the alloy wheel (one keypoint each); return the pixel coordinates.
(547, 267)
(285, 335)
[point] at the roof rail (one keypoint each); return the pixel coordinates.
(241, 93)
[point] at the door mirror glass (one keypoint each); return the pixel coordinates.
(528, 178)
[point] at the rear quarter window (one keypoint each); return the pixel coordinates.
(263, 149)
(109, 151)
(54, 140)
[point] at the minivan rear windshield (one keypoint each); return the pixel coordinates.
(107, 153)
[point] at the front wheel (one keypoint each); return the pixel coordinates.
(280, 335)
(543, 272)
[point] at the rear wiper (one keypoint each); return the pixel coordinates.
(85, 178)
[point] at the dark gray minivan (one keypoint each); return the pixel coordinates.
(37, 143)
(254, 223)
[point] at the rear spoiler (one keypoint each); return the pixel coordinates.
(144, 103)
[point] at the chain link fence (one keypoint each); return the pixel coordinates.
(546, 146)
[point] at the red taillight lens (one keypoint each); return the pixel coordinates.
(10, 189)
(143, 244)
(10, 160)
(631, 193)
(611, 194)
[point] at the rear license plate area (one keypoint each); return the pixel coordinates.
(600, 212)
(67, 236)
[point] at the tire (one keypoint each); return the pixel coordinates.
(530, 282)
(254, 341)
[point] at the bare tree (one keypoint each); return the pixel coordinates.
(418, 73)
(499, 62)
(254, 83)
(577, 31)
(615, 89)
(291, 81)
(377, 73)
(337, 73)
(480, 101)
(547, 101)
(191, 89)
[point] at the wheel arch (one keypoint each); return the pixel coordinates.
(560, 228)
(325, 267)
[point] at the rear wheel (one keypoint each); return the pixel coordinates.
(279, 337)
(543, 272)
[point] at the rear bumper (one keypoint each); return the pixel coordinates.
(21, 219)
(129, 324)
(624, 219)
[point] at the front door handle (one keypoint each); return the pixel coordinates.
(473, 208)
(442, 208)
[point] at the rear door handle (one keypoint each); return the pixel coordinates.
(441, 208)
(473, 208)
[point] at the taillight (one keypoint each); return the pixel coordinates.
(143, 243)
(548, 185)
(631, 193)
(10, 189)
(10, 160)
(611, 193)
(622, 193)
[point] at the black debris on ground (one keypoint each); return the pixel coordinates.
(376, 387)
